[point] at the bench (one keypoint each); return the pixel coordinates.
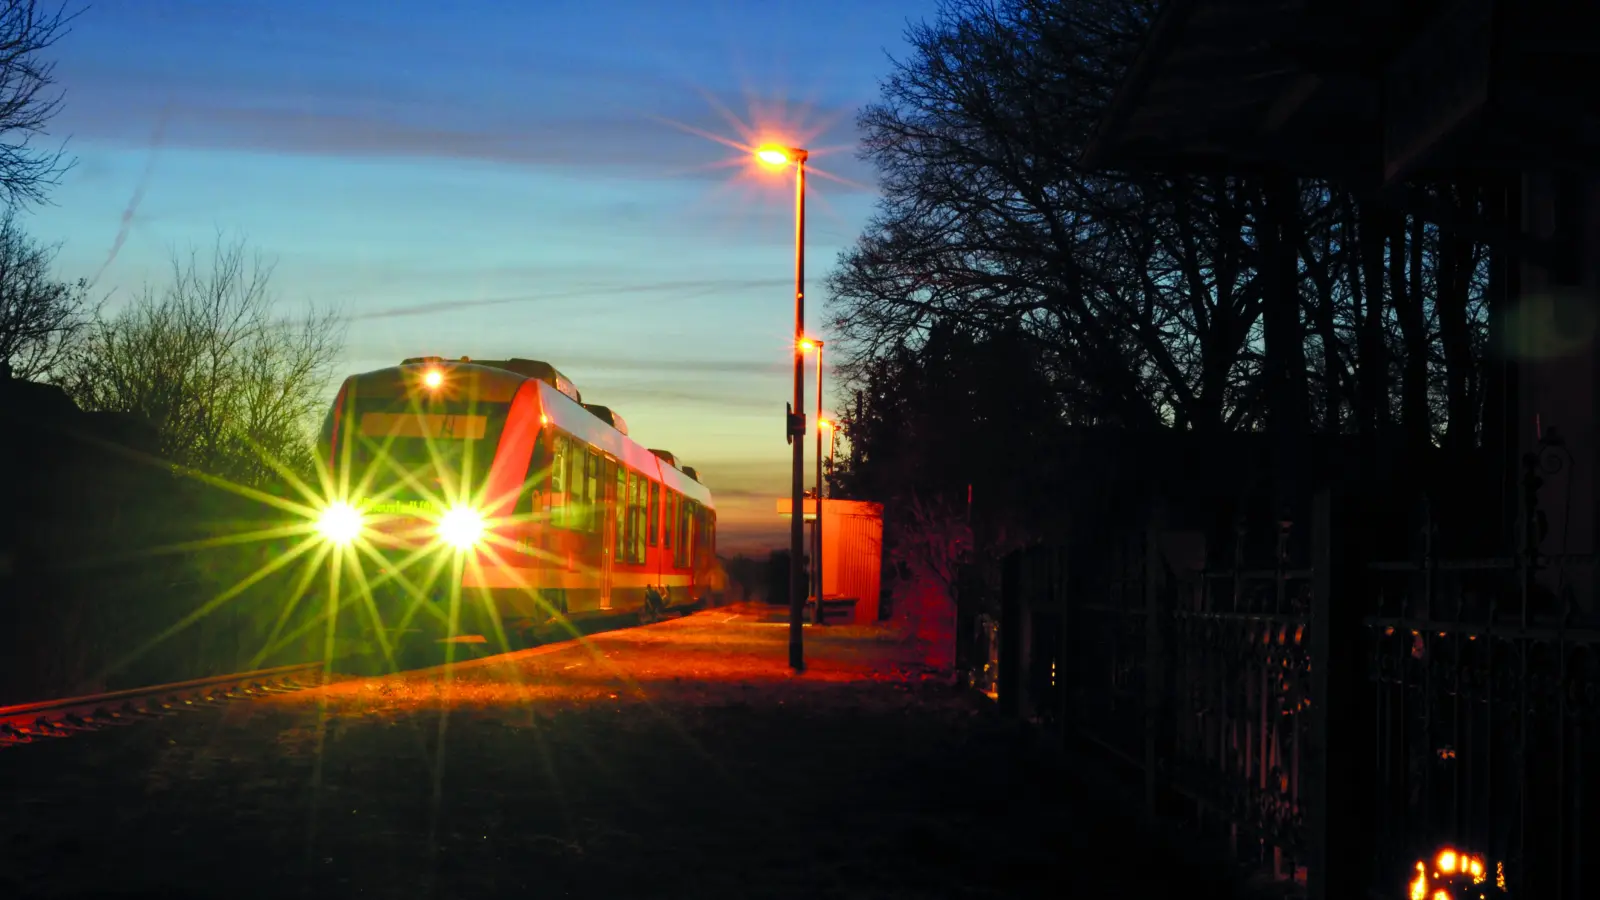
(834, 609)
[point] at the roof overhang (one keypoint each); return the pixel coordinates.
(1369, 92)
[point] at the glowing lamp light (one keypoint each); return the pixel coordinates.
(806, 345)
(825, 423)
(773, 156)
(461, 527)
(433, 378)
(1455, 871)
(340, 523)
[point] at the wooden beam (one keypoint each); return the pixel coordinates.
(1437, 86)
(1164, 33)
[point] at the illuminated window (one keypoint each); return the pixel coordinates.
(619, 514)
(638, 506)
(685, 514)
(560, 506)
(594, 494)
(535, 491)
(667, 517)
(652, 513)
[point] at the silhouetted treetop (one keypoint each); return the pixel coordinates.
(26, 31)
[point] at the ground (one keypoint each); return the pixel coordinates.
(676, 760)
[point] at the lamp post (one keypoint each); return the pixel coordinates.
(832, 444)
(781, 157)
(816, 528)
(822, 425)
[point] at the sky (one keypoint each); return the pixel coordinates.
(539, 178)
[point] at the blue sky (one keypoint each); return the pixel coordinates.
(497, 177)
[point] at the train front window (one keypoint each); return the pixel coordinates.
(438, 452)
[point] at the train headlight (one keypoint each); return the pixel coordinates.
(339, 523)
(461, 527)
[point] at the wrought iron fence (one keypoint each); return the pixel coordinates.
(1486, 678)
(1240, 692)
(1342, 721)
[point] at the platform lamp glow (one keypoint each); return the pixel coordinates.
(779, 157)
(816, 527)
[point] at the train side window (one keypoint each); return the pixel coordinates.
(638, 506)
(652, 513)
(624, 513)
(535, 492)
(635, 523)
(559, 483)
(691, 544)
(619, 514)
(593, 493)
(666, 517)
(680, 525)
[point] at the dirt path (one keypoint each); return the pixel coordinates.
(678, 760)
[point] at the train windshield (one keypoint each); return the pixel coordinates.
(405, 453)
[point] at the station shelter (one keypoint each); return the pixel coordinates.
(852, 552)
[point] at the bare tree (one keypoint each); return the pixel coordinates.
(232, 386)
(1138, 293)
(39, 315)
(1204, 303)
(26, 31)
(935, 540)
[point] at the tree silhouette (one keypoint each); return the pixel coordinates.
(232, 386)
(26, 31)
(40, 316)
(1197, 303)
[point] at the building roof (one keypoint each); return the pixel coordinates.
(1366, 91)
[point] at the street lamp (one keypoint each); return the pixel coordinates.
(816, 528)
(833, 442)
(782, 157)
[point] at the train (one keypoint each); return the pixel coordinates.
(485, 501)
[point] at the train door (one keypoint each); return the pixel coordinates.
(607, 501)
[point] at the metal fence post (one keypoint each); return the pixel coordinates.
(1154, 657)
(1338, 755)
(1012, 674)
(1061, 587)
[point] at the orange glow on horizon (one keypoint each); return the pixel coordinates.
(434, 378)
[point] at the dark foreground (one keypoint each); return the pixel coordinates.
(678, 760)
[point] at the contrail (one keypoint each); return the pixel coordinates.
(707, 286)
(138, 192)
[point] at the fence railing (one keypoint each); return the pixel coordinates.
(1338, 721)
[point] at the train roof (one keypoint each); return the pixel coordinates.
(498, 381)
(487, 383)
(607, 415)
(527, 368)
(578, 421)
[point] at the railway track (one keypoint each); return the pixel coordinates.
(46, 719)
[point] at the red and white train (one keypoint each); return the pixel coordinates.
(492, 482)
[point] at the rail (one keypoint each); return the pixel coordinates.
(29, 722)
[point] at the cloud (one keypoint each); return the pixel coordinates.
(679, 366)
(636, 136)
(725, 400)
